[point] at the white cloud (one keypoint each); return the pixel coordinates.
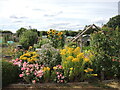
(45, 14)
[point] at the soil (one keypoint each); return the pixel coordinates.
(109, 85)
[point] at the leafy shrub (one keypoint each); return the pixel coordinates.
(10, 73)
(49, 56)
(42, 42)
(28, 38)
(105, 45)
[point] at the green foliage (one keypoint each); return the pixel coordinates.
(20, 31)
(70, 33)
(72, 44)
(42, 42)
(28, 38)
(114, 22)
(49, 56)
(10, 73)
(105, 45)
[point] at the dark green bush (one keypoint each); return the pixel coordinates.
(10, 73)
(28, 38)
(105, 45)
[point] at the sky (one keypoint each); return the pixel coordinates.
(55, 14)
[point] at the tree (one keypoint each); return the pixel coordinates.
(114, 22)
(20, 31)
(28, 38)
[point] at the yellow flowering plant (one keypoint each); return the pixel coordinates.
(46, 72)
(30, 57)
(74, 62)
(56, 37)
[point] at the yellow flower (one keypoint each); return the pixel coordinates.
(71, 68)
(69, 58)
(62, 52)
(65, 62)
(90, 69)
(66, 47)
(59, 33)
(75, 60)
(86, 71)
(29, 60)
(81, 55)
(48, 68)
(33, 52)
(94, 74)
(54, 68)
(30, 47)
(77, 50)
(53, 33)
(86, 59)
(24, 58)
(48, 32)
(48, 35)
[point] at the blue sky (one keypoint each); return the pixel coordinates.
(55, 14)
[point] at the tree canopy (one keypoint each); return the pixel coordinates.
(114, 22)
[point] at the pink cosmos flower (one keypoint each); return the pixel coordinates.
(21, 75)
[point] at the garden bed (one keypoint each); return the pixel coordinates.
(106, 85)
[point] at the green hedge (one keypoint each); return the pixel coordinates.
(10, 73)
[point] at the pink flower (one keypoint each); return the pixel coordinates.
(60, 75)
(17, 59)
(113, 59)
(27, 73)
(28, 69)
(24, 64)
(33, 81)
(31, 70)
(61, 81)
(20, 60)
(57, 72)
(21, 75)
(36, 65)
(35, 73)
(22, 68)
(60, 67)
(30, 65)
